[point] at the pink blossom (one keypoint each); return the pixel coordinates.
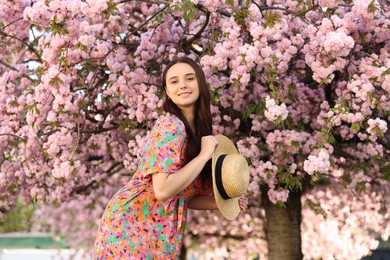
(328, 3)
(276, 196)
(360, 8)
(275, 112)
(317, 163)
(376, 127)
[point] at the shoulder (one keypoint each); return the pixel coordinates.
(168, 122)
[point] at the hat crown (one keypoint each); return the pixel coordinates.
(234, 178)
(230, 173)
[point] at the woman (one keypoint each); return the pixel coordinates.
(146, 218)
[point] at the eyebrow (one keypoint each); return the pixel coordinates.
(188, 74)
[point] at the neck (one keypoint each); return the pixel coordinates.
(189, 115)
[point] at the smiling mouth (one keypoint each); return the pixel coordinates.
(184, 93)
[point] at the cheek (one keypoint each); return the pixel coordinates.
(168, 90)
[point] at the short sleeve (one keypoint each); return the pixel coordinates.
(164, 147)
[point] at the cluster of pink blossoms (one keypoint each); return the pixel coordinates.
(327, 48)
(376, 127)
(317, 163)
(273, 111)
(328, 3)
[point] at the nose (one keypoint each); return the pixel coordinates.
(183, 84)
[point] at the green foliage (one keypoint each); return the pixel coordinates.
(230, 2)
(56, 27)
(272, 19)
(272, 75)
(39, 71)
(316, 207)
(257, 108)
(371, 7)
(378, 131)
(111, 8)
(56, 81)
(357, 126)
(81, 47)
(292, 182)
(385, 73)
(359, 165)
(18, 219)
(188, 8)
(341, 106)
(292, 92)
(240, 16)
(386, 172)
(32, 107)
(374, 98)
(296, 144)
(328, 136)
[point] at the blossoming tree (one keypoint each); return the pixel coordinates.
(302, 87)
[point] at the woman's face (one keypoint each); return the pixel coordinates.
(182, 85)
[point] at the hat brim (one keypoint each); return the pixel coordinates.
(229, 208)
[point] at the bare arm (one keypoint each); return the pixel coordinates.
(202, 202)
(167, 185)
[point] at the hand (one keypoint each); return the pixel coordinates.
(243, 202)
(208, 145)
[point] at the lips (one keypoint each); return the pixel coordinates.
(184, 94)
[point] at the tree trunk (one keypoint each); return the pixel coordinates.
(283, 227)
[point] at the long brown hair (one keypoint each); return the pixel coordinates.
(203, 121)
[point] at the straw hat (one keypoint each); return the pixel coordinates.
(230, 173)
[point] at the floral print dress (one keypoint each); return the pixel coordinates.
(135, 225)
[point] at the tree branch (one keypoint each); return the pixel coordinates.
(24, 43)
(186, 45)
(137, 29)
(17, 137)
(99, 130)
(8, 66)
(5, 26)
(110, 172)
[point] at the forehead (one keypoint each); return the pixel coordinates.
(180, 69)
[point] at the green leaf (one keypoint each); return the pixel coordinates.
(13, 142)
(371, 7)
(386, 172)
(316, 207)
(257, 109)
(331, 139)
(189, 10)
(385, 73)
(57, 28)
(296, 144)
(356, 126)
(18, 219)
(111, 8)
(56, 81)
(241, 15)
(271, 86)
(230, 2)
(271, 19)
(292, 92)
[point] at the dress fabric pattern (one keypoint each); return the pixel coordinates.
(135, 225)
